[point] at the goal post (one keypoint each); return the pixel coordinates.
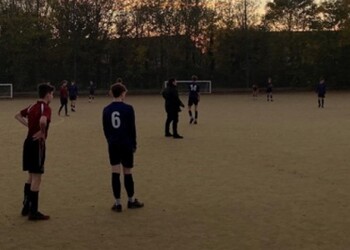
(6, 90)
(182, 86)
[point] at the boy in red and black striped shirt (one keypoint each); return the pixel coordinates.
(37, 118)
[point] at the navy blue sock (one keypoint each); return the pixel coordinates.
(34, 201)
(129, 185)
(26, 193)
(116, 185)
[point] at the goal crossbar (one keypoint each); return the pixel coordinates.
(6, 90)
(205, 85)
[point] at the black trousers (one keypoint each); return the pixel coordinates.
(172, 117)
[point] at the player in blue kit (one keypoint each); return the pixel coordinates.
(193, 99)
(321, 92)
(73, 95)
(120, 131)
(269, 88)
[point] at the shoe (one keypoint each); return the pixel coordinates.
(26, 207)
(117, 208)
(135, 204)
(195, 121)
(67, 115)
(38, 216)
(59, 113)
(178, 137)
(168, 135)
(191, 120)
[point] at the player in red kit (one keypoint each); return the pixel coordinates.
(37, 118)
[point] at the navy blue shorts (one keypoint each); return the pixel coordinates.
(33, 156)
(192, 101)
(72, 97)
(121, 155)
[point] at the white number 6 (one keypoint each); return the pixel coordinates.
(116, 119)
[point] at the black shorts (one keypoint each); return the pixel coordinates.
(321, 95)
(192, 101)
(33, 156)
(92, 92)
(121, 155)
(64, 101)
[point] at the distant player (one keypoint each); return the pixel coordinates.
(37, 118)
(321, 92)
(64, 98)
(120, 131)
(92, 88)
(193, 99)
(172, 108)
(255, 91)
(73, 95)
(269, 89)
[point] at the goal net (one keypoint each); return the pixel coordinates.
(183, 85)
(6, 90)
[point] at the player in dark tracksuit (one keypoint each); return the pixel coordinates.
(37, 118)
(172, 108)
(120, 132)
(321, 92)
(193, 98)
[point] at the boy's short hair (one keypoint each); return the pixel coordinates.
(44, 89)
(194, 78)
(117, 89)
(171, 82)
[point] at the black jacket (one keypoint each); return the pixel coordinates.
(172, 100)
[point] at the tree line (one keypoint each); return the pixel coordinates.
(234, 43)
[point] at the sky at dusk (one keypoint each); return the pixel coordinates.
(264, 2)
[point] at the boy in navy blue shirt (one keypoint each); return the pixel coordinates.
(73, 95)
(193, 99)
(269, 89)
(120, 131)
(321, 92)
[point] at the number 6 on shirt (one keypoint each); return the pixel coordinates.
(115, 119)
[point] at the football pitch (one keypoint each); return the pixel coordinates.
(251, 174)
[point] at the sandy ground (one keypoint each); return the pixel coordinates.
(250, 175)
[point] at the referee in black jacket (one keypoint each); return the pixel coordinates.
(172, 108)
